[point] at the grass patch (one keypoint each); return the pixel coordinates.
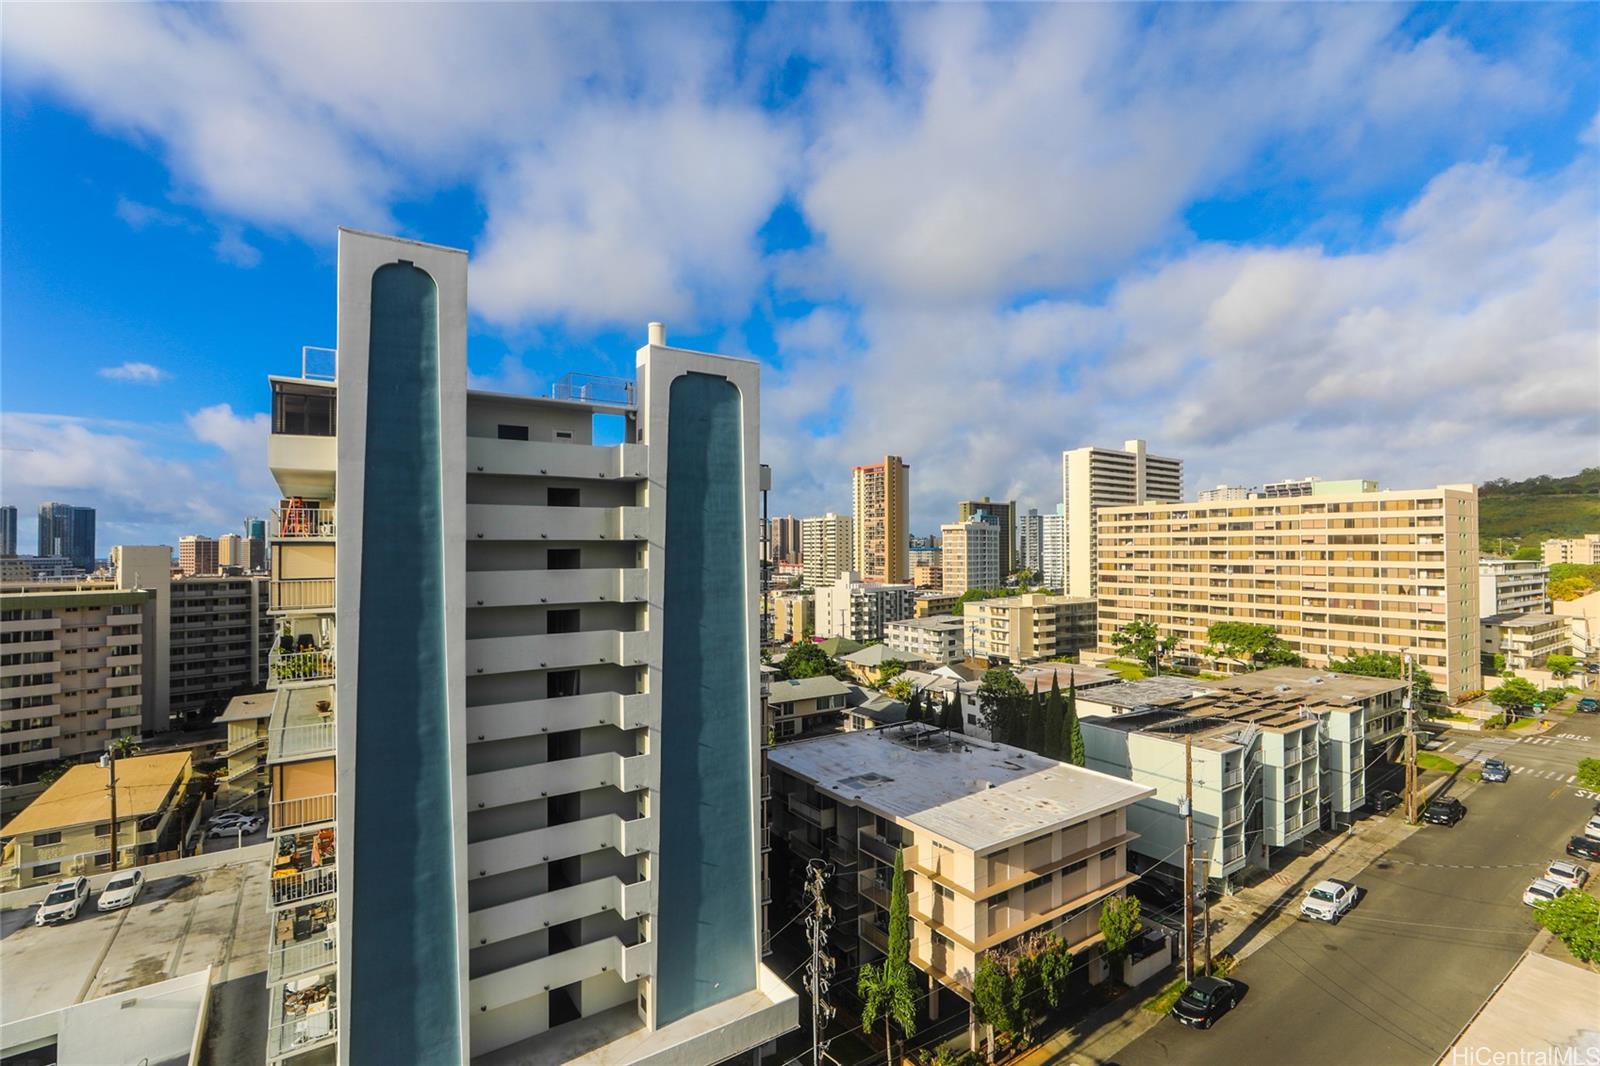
(1427, 760)
(1162, 1001)
(1128, 671)
(1522, 723)
(1452, 717)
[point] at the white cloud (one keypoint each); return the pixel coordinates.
(138, 373)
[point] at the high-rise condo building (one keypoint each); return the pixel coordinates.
(1336, 576)
(882, 494)
(230, 551)
(858, 610)
(8, 530)
(69, 531)
(783, 539)
(255, 539)
(971, 556)
(1004, 515)
(197, 554)
(547, 649)
(825, 548)
(1092, 478)
(1030, 542)
(1052, 551)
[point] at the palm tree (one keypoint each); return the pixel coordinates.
(885, 989)
(125, 746)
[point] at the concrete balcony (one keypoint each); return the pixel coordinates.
(18, 714)
(555, 459)
(50, 688)
(515, 588)
(801, 845)
(304, 812)
(556, 651)
(303, 886)
(24, 669)
(523, 783)
(877, 847)
(133, 659)
(552, 908)
(123, 681)
(302, 594)
(522, 850)
(518, 983)
(290, 1034)
(30, 625)
(44, 732)
(303, 465)
(822, 819)
(501, 721)
(114, 703)
(26, 758)
(298, 667)
(302, 523)
(51, 645)
(308, 956)
(489, 521)
(301, 725)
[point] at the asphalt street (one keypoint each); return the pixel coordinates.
(1440, 924)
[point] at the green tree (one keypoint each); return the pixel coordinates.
(1498, 664)
(1529, 551)
(1589, 774)
(1575, 918)
(1251, 645)
(1036, 733)
(996, 702)
(809, 660)
(1424, 695)
(950, 714)
(1572, 587)
(1142, 642)
(913, 705)
(991, 998)
(53, 774)
(889, 669)
(1119, 924)
(1514, 692)
(1561, 665)
(1055, 718)
(125, 746)
(885, 989)
(1072, 749)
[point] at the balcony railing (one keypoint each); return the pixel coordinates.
(1233, 815)
(291, 960)
(303, 1032)
(878, 847)
(296, 522)
(304, 594)
(294, 888)
(801, 846)
(1233, 853)
(297, 741)
(823, 819)
(289, 666)
(1233, 779)
(288, 814)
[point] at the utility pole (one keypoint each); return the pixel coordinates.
(1411, 745)
(819, 972)
(109, 761)
(1188, 858)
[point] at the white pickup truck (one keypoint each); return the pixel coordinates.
(1327, 900)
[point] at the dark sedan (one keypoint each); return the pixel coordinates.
(1447, 811)
(1206, 1000)
(1584, 848)
(1382, 800)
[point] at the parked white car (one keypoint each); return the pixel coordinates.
(1327, 900)
(1542, 891)
(63, 901)
(121, 891)
(233, 826)
(1591, 828)
(1566, 874)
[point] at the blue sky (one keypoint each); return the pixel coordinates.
(1272, 240)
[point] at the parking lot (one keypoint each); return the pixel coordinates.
(192, 913)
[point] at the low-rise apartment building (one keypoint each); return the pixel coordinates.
(1584, 550)
(1512, 586)
(997, 844)
(1335, 576)
(858, 610)
(806, 705)
(243, 785)
(1526, 640)
(936, 640)
(1026, 628)
(932, 604)
(793, 616)
(70, 829)
(1274, 755)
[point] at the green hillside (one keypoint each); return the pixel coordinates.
(1513, 513)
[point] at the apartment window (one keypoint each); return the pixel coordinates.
(1072, 868)
(943, 891)
(942, 941)
(47, 869)
(563, 434)
(506, 432)
(561, 683)
(562, 497)
(1037, 882)
(303, 410)
(562, 559)
(1108, 855)
(42, 839)
(562, 621)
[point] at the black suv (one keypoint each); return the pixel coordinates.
(1382, 800)
(1447, 811)
(1584, 848)
(1205, 1000)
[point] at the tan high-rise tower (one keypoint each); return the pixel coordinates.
(883, 520)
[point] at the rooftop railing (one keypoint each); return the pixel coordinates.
(288, 666)
(595, 388)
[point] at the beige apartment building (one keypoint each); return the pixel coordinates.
(1527, 639)
(935, 640)
(882, 520)
(1092, 478)
(1027, 628)
(72, 678)
(218, 639)
(231, 551)
(1584, 550)
(198, 555)
(998, 843)
(1004, 514)
(1392, 571)
(826, 548)
(243, 785)
(793, 616)
(972, 554)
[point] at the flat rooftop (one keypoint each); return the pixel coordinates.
(81, 795)
(246, 708)
(1151, 692)
(978, 794)
(1306, 685)
(937, 621)
(1067, 674)
(1524, 620)
(806, 688)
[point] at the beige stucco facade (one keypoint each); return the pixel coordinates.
(1029, 627)
(882, 520)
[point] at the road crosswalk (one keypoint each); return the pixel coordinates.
(1548, 775)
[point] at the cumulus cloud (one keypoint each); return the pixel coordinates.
(138, 373)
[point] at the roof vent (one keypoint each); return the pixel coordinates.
(658, 334)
